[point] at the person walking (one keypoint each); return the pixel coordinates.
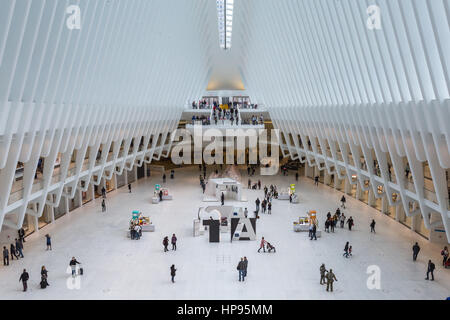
(322, 274)
(415, 250)
(19, 247)
(73, 265)
(103, 192)
(129, 187)
(164, 178)
(44, 277)
(160, 196)
(241, 268)
(313, 232)
(259, 184)
(332, 224)
(24, 278)
(350, 223)
(346, 250)
(269, 207)
(330, 279)
(343, 200)
(166, 243)
(13, 252)
(21, 232)
(222, 198)
(49, 241)
(296, 176)
(444, 254)
(174, 242)
(5, 256)
(103, 205)
(372, 226)
(245, 212)
(430, 269)
(342, 220)
(316, 180)
(261, 246)
(327, 225)
(257, 202)
(173, 273)
(245, 268)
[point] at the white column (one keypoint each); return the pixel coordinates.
(66, 204)
(347, 187)
(327, 178)
(371, 198)
(92, 191)
(384, 204)
(399, 212)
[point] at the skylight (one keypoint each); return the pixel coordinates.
(225, 20)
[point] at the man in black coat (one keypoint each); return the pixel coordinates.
(19, 247)
(5, 256)
(21, 234)
(430, 269)
(24, 278)
(416, 250)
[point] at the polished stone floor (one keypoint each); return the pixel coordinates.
(117, 268)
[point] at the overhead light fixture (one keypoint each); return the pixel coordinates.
(225, 21)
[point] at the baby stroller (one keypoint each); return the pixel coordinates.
(447, 264)
(271, 247)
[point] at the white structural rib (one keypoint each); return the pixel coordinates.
(344, 95)
(102, 99)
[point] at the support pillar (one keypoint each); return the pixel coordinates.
(92, 191)
(399, 212)
(115, 180)
(327, 178)
(66, 204)
(347, 187)
(80, 198)
(359, 192)
(307, 168)
(371, 198)
(384, 205)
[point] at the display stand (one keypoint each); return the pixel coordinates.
(137, 218)
(304, 222)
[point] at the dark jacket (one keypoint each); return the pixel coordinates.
(73, 262)
(241, 265)
(24, 277)
(5, 253)
(431, 266)
(19, 245)
(416, 248)
(172, 271)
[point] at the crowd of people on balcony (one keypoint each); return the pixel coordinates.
(204, 104)
(205, 120)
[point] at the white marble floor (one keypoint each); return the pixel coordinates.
(118, 268)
